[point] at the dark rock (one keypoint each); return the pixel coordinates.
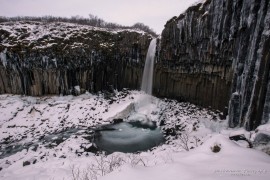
(26, 163)
(216, 148)
(238, 137)
(111, 101)
(217, 54)
(170, 132)
(93, 149)
(162, 122)
(63, 156)
(222, 116)
(41, 137)
(241, 138)
(32, 147)
(34, 161)
(43, 156)
(261, 139)
(116, 121)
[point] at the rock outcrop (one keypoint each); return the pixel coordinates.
(217, 54)
(39, 58)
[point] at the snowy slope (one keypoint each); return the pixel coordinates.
(191, 133)
(232, 162)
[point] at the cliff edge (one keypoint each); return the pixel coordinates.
(41, 58)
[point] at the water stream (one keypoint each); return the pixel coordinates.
(147, 80)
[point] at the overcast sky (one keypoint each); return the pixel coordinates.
(153, 13)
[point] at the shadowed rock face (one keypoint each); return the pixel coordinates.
(217, 54)
(54, 58)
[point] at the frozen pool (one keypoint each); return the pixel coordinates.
(130, 136)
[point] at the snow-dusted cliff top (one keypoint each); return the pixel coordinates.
(45, 34)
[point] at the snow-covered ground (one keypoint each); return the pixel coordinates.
(197, 141)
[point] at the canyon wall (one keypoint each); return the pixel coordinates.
(39, 58)
(217, 54)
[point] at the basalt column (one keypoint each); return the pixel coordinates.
(217, 54)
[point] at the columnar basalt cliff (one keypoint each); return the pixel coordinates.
(40, 58)
(217, 54)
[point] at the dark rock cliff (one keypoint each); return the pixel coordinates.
(40, 58)
(217, 54)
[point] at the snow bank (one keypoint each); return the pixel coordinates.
(231, 162)
(26, 119)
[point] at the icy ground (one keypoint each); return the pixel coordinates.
(197, 141)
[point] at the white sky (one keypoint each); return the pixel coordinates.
(153, 13)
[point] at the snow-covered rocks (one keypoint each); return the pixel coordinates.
(49, 135)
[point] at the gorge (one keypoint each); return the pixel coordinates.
(85, 99)
(215, 54)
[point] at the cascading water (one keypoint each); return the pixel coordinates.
(147, 80)
(139, 132)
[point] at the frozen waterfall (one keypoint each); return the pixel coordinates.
(147, 79)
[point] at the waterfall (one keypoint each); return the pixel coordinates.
(147, 79)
